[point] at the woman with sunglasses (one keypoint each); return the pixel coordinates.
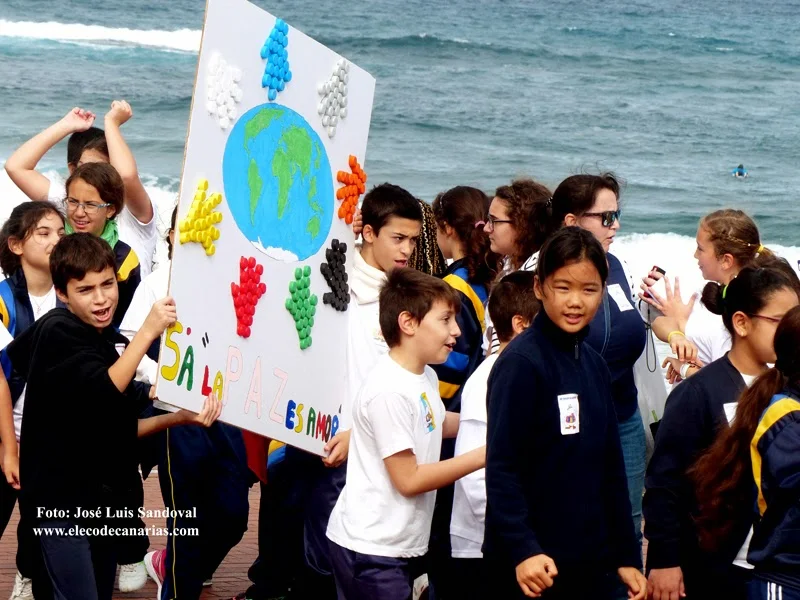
(617, 331)
(751, 307)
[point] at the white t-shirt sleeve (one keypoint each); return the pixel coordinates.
(56, 193)
(392, 421)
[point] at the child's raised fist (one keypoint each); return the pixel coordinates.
(119, 113)
(162, 315)
(78, 119)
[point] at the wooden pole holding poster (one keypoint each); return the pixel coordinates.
(278, 124)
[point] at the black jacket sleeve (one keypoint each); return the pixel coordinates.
(512, 381)
(618, 505)
(669, 496)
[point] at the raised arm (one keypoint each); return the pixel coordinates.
(21, 166)
(162, 315)
(121, 158)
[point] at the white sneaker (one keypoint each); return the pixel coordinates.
(132, 577)
(23, 588)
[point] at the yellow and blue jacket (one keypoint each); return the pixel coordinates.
(775, 455)
(128, 278)
(467, 353)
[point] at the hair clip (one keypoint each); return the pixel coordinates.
(479, 224)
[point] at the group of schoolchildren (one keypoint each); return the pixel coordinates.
(490, 441)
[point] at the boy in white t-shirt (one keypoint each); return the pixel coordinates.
(136, 221)
(512, 306)
(380, 526)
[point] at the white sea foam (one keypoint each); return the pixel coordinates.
(184, 40)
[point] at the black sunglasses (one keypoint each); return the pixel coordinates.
(608, 216)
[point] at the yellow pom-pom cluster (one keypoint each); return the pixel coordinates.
(199, 224)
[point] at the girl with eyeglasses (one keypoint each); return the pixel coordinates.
(27, 293)
(762, 446)
(618, 331)
(727, 241)
(751, 307)
(95, 196)
(516, 230)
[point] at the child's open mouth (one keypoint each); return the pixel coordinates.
(103, 314)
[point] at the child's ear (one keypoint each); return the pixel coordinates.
(15, 245)
(570, 220)
(62, 297)
(112, 211)
(71, 167)
(740, 323)
(407, 322)
(519, 324)
(368, 234)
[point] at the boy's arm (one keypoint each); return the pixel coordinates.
(162, 315)
(212, 408)
(121, 158)
(7, 435)
(412, 479)
(450, 425)
(21, 165)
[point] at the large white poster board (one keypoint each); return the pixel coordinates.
(278, 128)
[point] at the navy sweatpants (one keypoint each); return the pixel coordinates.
(367, 577)
(204, 469)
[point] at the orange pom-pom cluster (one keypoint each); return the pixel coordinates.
(354, 186)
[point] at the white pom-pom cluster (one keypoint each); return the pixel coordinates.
(224, 92)
(333, 105)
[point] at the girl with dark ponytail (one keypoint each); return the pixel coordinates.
(751, 306)
(460, 215)
(762, 445)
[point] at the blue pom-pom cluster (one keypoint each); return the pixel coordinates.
(277, 73)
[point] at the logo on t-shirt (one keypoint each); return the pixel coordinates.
(427, 409)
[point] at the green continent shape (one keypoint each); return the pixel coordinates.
(293, 154)
(260, 121)
(313, 226)
(256, 184)
(312, 195)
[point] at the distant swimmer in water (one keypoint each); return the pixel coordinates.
(739, 171)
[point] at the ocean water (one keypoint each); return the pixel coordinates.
(669, 95)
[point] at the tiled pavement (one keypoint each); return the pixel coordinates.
(229, 580)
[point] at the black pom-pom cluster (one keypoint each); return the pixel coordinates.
(334, 273)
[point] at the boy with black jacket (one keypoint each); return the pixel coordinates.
(82, 402)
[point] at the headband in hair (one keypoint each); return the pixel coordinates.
(724, 291)
(479, 224)
(760, 249)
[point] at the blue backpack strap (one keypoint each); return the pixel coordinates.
(8, 314)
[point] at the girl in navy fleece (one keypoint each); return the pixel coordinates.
(762, 446)
(695, 412)
(618, 332)
(558, 515)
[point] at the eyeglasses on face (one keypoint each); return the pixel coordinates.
(90, 208)
(608, 217)
(491, 222)
(766, 318)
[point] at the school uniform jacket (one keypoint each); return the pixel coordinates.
(79, 432)
(693, 415)
(467, 353)
(16, 312)
(775, 455)
(555, 477)
(128, 278)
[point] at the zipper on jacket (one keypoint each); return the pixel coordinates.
(577, 353)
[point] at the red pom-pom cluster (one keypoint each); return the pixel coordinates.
(247, 294)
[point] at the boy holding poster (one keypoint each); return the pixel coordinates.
(381, 523)
(392, 221)
(73, 354)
